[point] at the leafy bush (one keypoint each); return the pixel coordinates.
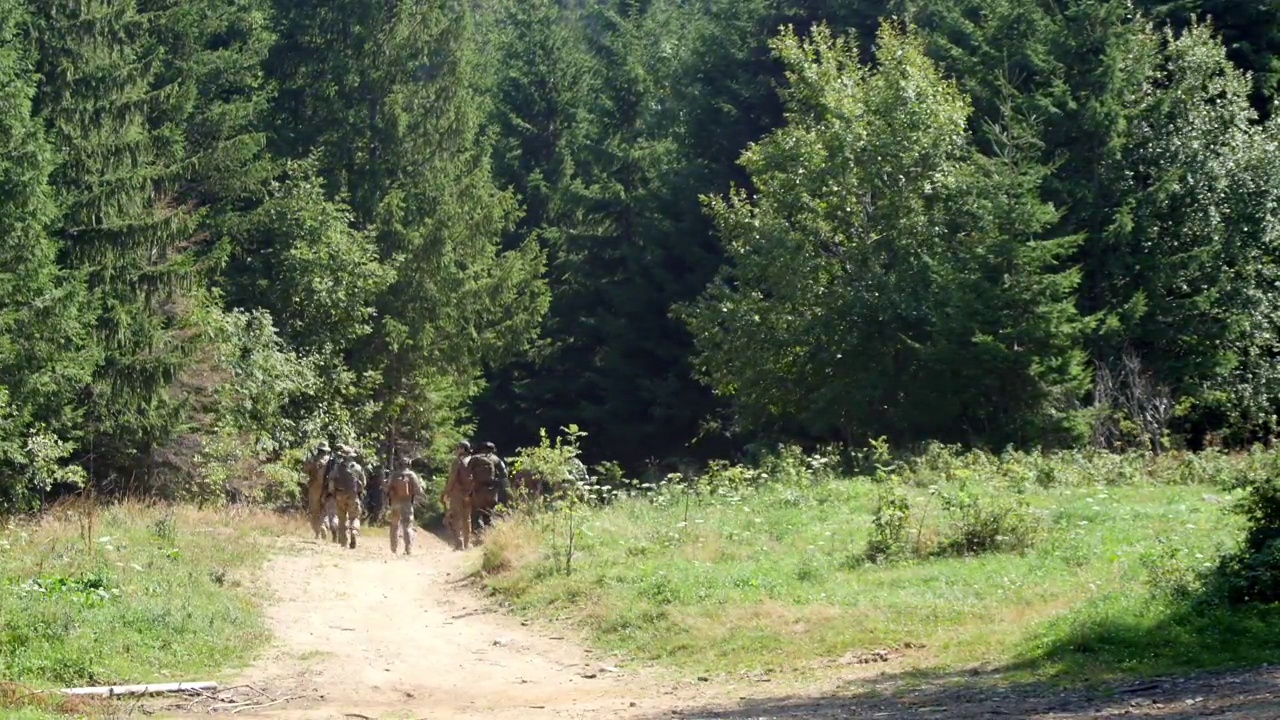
(988, 519)
(1169, 573)
(280, 484)
(32, 461)
(971, 520)
(1251, 574)
(889, 526)
(555, 463)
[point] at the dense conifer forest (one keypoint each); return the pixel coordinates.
(232, 228)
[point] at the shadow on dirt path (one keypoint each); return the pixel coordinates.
(1253, 695)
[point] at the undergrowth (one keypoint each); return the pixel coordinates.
(127, 593)
(1057, 565)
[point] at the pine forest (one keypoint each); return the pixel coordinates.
(231, 229)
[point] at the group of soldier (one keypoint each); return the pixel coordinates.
(476, 488)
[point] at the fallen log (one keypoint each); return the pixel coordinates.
(113, 690)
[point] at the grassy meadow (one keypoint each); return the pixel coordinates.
(127, 593)
(1072, 567)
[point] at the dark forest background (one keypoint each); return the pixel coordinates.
(232, 228)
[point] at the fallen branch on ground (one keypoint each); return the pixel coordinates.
(113, 690)
(263, 705)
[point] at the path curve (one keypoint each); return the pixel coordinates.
(364, 633)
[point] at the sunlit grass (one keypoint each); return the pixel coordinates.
(130, 593)
(774, 579)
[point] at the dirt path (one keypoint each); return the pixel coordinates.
(364, 633)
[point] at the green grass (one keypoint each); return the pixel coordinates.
(128, 594)
(774, 579)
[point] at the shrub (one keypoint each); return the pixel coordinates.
(557, 463)
(889, 526)
(987, 520)
(1251, 574)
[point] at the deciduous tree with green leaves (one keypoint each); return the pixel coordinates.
(863, 282)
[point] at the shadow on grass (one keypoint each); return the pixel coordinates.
(1106, 660)
(1116, 640)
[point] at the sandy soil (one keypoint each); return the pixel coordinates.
(362, 634)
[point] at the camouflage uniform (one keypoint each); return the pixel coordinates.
(403, 490)
(457, 498)
(347, 481)
(314, 468)
(489, 484)
(504, 482)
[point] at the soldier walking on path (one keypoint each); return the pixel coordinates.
(348, 481)
(403, 490)
(489, 484)
(315, 468)
(457, 497)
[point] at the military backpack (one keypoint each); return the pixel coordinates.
(483, 470)
(400, 488)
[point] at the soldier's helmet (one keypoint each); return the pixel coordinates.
(489, 447)
(464, 446)
(323, 447)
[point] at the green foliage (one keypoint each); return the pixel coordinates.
(1202, 245)
(231, 230)
(1140, 131)
(886, 276)
(299, 258)
(1251, 572)
(969, 519)
(556, 461)
(142, 598)
(558, 465)
(1250, 32)
(890, 525)
(390, 104)
(987, 519)
(769, 574)
(45, 356)
(34, 459)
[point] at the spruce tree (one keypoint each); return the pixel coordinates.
(210, 57)
(1008, 363)
(122, 222)
(544, 117)
(46, 356)
(618, 363)
(385, 93)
